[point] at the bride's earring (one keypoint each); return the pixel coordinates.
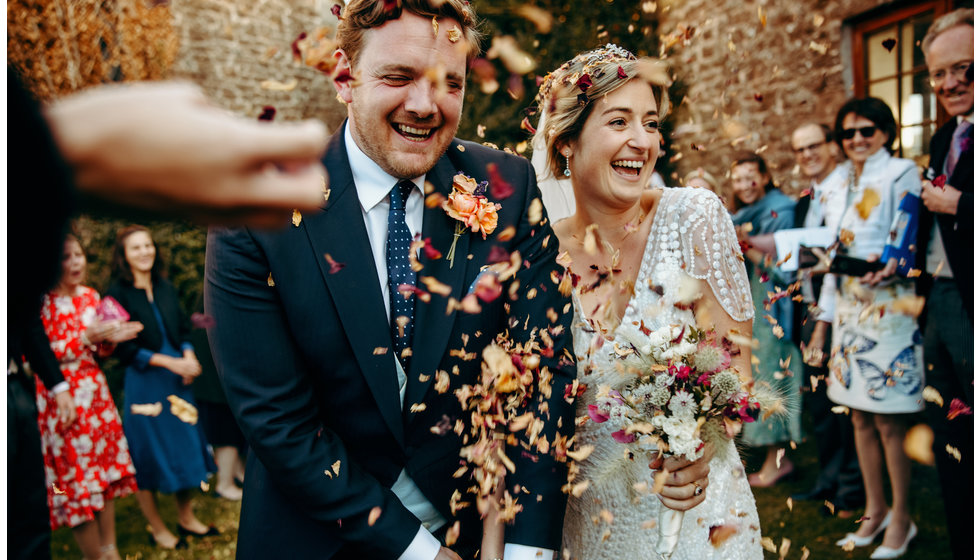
(568, 171)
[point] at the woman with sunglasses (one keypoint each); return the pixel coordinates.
(876, 367)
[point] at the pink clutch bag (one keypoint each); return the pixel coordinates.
(110, 310)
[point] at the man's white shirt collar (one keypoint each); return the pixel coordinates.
(373, 183)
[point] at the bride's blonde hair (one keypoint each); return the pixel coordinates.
(566, 96)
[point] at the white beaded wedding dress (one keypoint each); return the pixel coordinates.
(691, 239)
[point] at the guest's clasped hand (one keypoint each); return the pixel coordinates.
(186, 366)
(112, 332)
(191, 158)
(875, 278)
(686, 481)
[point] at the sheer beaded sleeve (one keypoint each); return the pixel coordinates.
(711, 252)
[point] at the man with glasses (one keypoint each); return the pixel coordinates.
(839, 478)
(945, 259)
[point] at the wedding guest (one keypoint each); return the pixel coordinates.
(945, 259)
(87, 462)
(839, 476)
(668, 243)
(331, 360)
(177, 164)
(876, 365)
(761, 208)
(160, 416)
(702, 178)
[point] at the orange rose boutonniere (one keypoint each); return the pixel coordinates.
(468, 204)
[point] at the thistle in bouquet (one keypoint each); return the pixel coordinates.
(681, 394)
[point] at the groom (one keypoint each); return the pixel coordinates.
(329, 357)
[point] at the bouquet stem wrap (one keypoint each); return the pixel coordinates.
(670, 532)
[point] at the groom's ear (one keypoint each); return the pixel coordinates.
(343, 75)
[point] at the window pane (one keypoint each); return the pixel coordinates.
(912, 33)
(881, 62)
(913, 142)
(887, 91)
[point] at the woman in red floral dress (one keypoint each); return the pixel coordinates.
(87, 462)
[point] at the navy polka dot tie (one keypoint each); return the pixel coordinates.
(400, 272)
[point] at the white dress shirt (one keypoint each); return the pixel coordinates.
(373, 187)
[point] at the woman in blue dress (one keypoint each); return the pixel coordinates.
(159, 415)
(762, 208)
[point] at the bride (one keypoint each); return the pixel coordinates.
(660, 256)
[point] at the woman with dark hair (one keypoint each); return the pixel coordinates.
(87, 461)
(876, 359)
(762, 208)
(160, 417)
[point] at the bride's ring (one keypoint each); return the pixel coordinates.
(697, 489)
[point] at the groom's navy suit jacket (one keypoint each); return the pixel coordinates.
(300, 351)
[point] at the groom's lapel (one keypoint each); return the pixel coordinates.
(434, 320)
(339, 231)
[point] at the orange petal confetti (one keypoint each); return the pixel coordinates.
(373, 516)
(335, 467)
(918, 444)
(910, 305)
(870, 199)
(930, 394)
(454, 34)
(505, 48)
(436, 286)
(606, 516)
(846, 237)
(581, 453)
(380, 350)
(953, 452)
(182, 409)
(541, 19)
(417, 407)
(270, 281)
(768, 544)
(435, 27)
(273, 85)
(442, 382)
(535, 212)
(452, 534)
(718, 534)
(762, 16)
(150, 409)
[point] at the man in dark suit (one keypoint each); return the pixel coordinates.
(945, 259)
(328, 339)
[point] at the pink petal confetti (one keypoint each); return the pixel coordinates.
(939, 181)
(499, 187)
(584, 82)
(622, 437)
(597, 415)
(889, 43)
(958, 407)
(621, 73)
(202, 321)
(335, 266)
(268, 113)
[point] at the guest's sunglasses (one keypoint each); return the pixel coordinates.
(866, 131)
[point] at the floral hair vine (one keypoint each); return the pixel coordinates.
(469, 206)
(590, 61)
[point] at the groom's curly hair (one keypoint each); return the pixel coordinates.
(360, 15)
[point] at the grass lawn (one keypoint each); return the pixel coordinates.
(803, 526)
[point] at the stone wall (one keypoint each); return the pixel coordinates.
(230, 48)
(749, 84)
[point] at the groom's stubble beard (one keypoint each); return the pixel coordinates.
(377, 142)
